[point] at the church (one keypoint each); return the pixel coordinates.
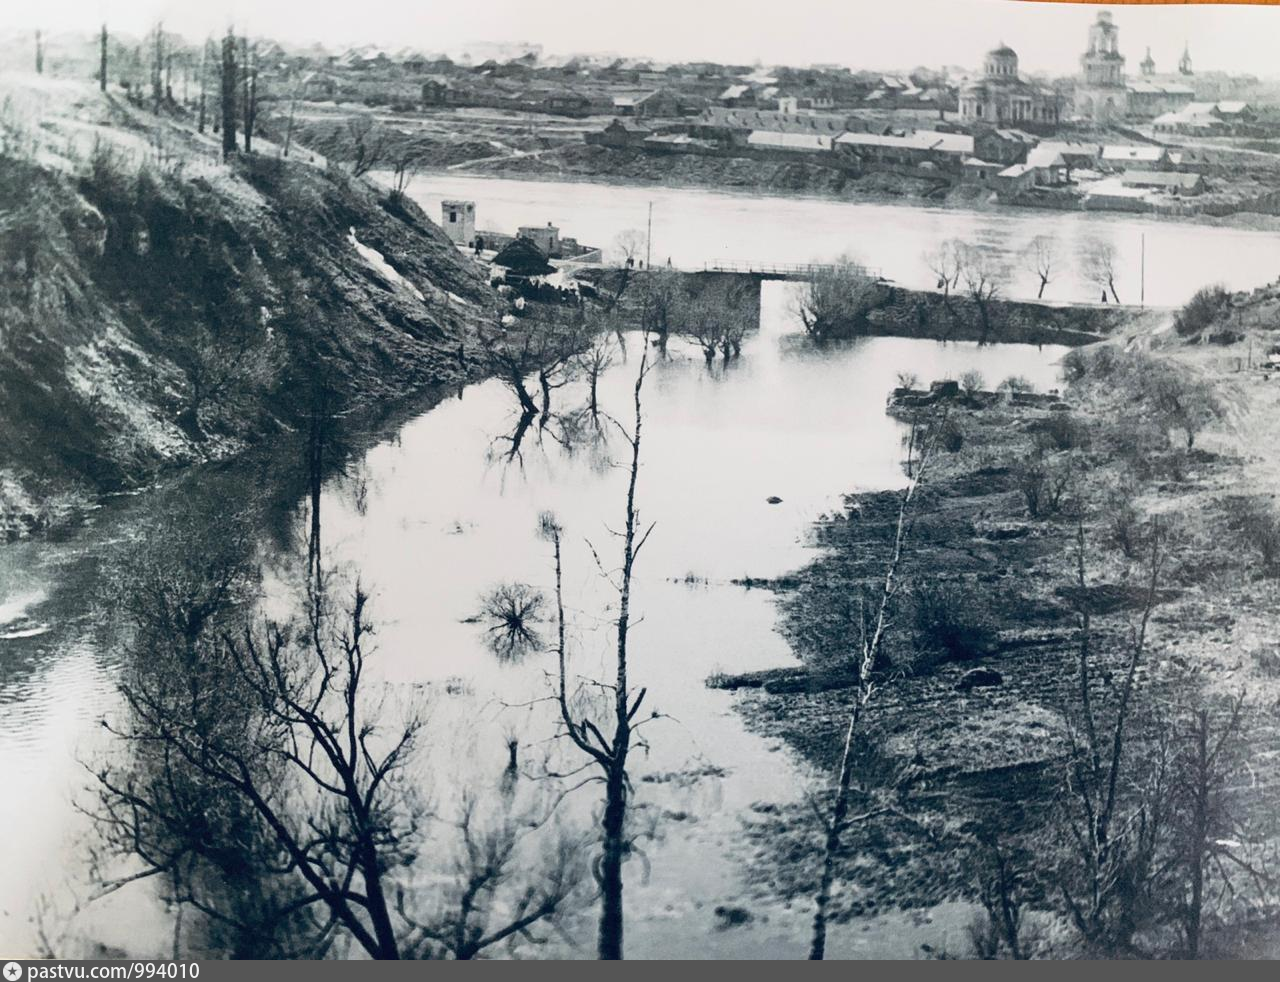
(1101, 93)
(1001, 96)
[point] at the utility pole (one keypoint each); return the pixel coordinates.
(648, 240)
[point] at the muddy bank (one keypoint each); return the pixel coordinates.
(978, 677)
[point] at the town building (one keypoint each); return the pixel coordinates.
(1002, 96)
(620, 134)
(1145, 157)
(458, 219)
(1101, 94)
(1151, 97)
(939, 150)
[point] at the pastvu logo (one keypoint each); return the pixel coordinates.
(12, 971)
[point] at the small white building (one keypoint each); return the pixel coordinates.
(458, 219)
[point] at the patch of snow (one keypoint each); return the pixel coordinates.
(375, 259)
(15, 608)
(31, 632)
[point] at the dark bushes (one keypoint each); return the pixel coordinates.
(1202, 310)
(950, 622)
(1258, 526)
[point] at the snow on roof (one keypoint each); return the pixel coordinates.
(1133, 153)
(1160, 178)
(916, 140)
(735, 91)
(1160, 88)
(1232, 108)
(632, 98)
(1044, 156)
(788, 141)
(1016, 170)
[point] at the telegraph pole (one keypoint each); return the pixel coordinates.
(648, 240)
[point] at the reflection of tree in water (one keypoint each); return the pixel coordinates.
(511, 614)
(262, 784)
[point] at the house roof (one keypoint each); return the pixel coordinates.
(789, 141)
(1161, 179)
(1144, 153)
(1160, 88)
(523, 258)
(1232, 108)
(630, 125)
(633, 98)
(1016, 170)
(1046, 157)
(916, 140)
(735, 92)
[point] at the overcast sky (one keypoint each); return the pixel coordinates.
(862, 33)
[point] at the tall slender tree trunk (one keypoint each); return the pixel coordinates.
(228, 94)
(247, 108)
(39, 53)
(102, 59)
(612, 856)
(204, 77)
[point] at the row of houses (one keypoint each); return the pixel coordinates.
(1208, 119)
(1009, 161)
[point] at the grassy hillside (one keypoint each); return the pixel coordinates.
(159, 307)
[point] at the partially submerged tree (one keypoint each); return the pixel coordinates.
(607, 741)
(875, 614)
(835, 302)
(980, 274)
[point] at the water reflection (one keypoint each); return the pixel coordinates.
(432, 520)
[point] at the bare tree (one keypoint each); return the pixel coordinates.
(981, 278)
(664, 298)
(204, 83)
(228, 94)
(248, 89)
(1113, 825)
(364, 143)
(157, 66)
(607, 744)
(944, 263)
(1099, 263)
(593, 362)
(874, 624)
(836, 300)
(405, 160)
(1040, 259)
(39, 52)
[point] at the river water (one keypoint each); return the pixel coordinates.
(435, 517)
(692, 228)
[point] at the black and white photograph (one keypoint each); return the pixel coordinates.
(665, 480)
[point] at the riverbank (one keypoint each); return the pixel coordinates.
(992, 586)
(168, 310)
(800, 178)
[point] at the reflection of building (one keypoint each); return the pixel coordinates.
(458, 219)
(1100, 91)
(1001, 96)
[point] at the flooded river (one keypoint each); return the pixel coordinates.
(693, 228)
(434, 517)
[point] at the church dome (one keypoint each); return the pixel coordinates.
(1001, 62)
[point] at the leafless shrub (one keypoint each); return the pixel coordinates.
(511, 613)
